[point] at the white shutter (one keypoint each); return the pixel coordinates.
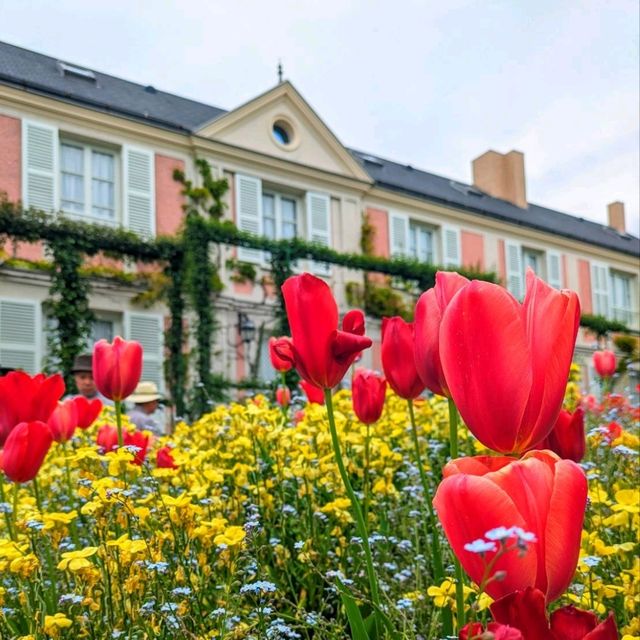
(147, 329)
(600, 289)
(139, 191)
(249, 213)
(554, 274)
(19, 335)
(39, 166)
(451, 250)
(515, 278)
(398, 235)
(319, 226)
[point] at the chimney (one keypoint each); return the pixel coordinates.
(501, 176)
(615, 215)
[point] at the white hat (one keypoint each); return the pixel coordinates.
(145, 392)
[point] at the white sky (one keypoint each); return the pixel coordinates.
(432, 83)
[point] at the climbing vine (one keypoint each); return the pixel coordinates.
(69, 307)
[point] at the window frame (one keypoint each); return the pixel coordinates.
(278, 196)
(88, 148)
(628, 316)
(435, 233)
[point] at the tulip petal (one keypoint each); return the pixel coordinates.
(353, 322)
(551, 319)
(564, 526)
(570, 623)
(486, 362)
(606, 630)
(526, 611)
(468, 507)
(475, 465)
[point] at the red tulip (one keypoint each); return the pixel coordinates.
(429, 311)
(320, 352)
(315, 395)
(495, 631)
(540, 493)
(368, 392)
(25, 398)
(278, 363)
(506, 364)
(397, 357)
(88, 410)
(107, 438)
(612, 431)
(63, 421)
(526, 611)
(567, 437)
(604, 362)
(283, 396)
(117, 367)
(140, 441)
(164, 459)
(25, 450)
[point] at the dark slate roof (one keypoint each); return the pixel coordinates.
(421, 184)
(42, 74)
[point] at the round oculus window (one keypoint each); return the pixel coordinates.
(282, 132)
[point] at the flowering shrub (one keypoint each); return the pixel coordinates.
(250, 535)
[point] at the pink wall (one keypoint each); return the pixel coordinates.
(502, 264)
(379, 220)
(565, 271)
(10, 158)
(472, 249)
(584, 285)
(169, 199)
(376, 359)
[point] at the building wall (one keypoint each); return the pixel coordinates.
(482, 242)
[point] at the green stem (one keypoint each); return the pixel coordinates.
(436, 552)
(118, 405)
(36, 492)
(360, 523)
(7, 516)
(367, 490)
(453, 449)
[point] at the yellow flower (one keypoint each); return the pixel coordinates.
(231, 537)
(54, 624)
(76, 560)
(24, 566)
(50, 520)
(445, 594)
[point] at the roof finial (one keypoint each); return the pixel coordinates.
(279, 71)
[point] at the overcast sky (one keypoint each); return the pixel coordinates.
(428, 83)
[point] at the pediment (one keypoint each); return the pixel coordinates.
(311, 142)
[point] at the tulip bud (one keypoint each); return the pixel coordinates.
(604, 362)
(117, 367)
(368, 394)
(25, 450)
(140, 441)
(63, 421)
(88, 410)
(107, 438)
(164, 459)
(277, 348)
(283, 396)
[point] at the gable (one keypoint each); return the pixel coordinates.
(311, 142)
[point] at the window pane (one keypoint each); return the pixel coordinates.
(102, 198)
(72, 159)
(72, 193)
(268, 206)
(289, 217)
(413, 243)
(102, 165)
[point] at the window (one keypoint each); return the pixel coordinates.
(535, 260)
(621, 297)
(421, 242)
(279, 216)
(283, 133)
(88, 181)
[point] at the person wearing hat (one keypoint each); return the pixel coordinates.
(82, 371)
(144, 414)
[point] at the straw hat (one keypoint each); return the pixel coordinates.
(145, 392)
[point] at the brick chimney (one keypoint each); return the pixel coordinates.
(615, 215)
(501, 175)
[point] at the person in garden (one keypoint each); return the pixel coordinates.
(145, 413)
(82, 371)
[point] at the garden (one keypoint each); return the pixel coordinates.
(469, 491)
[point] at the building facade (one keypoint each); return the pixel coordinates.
(97, 148)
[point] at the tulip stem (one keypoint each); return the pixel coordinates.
(360, 523)
(453, 449)
(36, 492)
(118, 405)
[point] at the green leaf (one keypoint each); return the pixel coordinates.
(357, 624)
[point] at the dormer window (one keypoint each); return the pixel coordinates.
(77, 72)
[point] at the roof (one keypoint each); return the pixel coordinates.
(421, 184)
(43, 74)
